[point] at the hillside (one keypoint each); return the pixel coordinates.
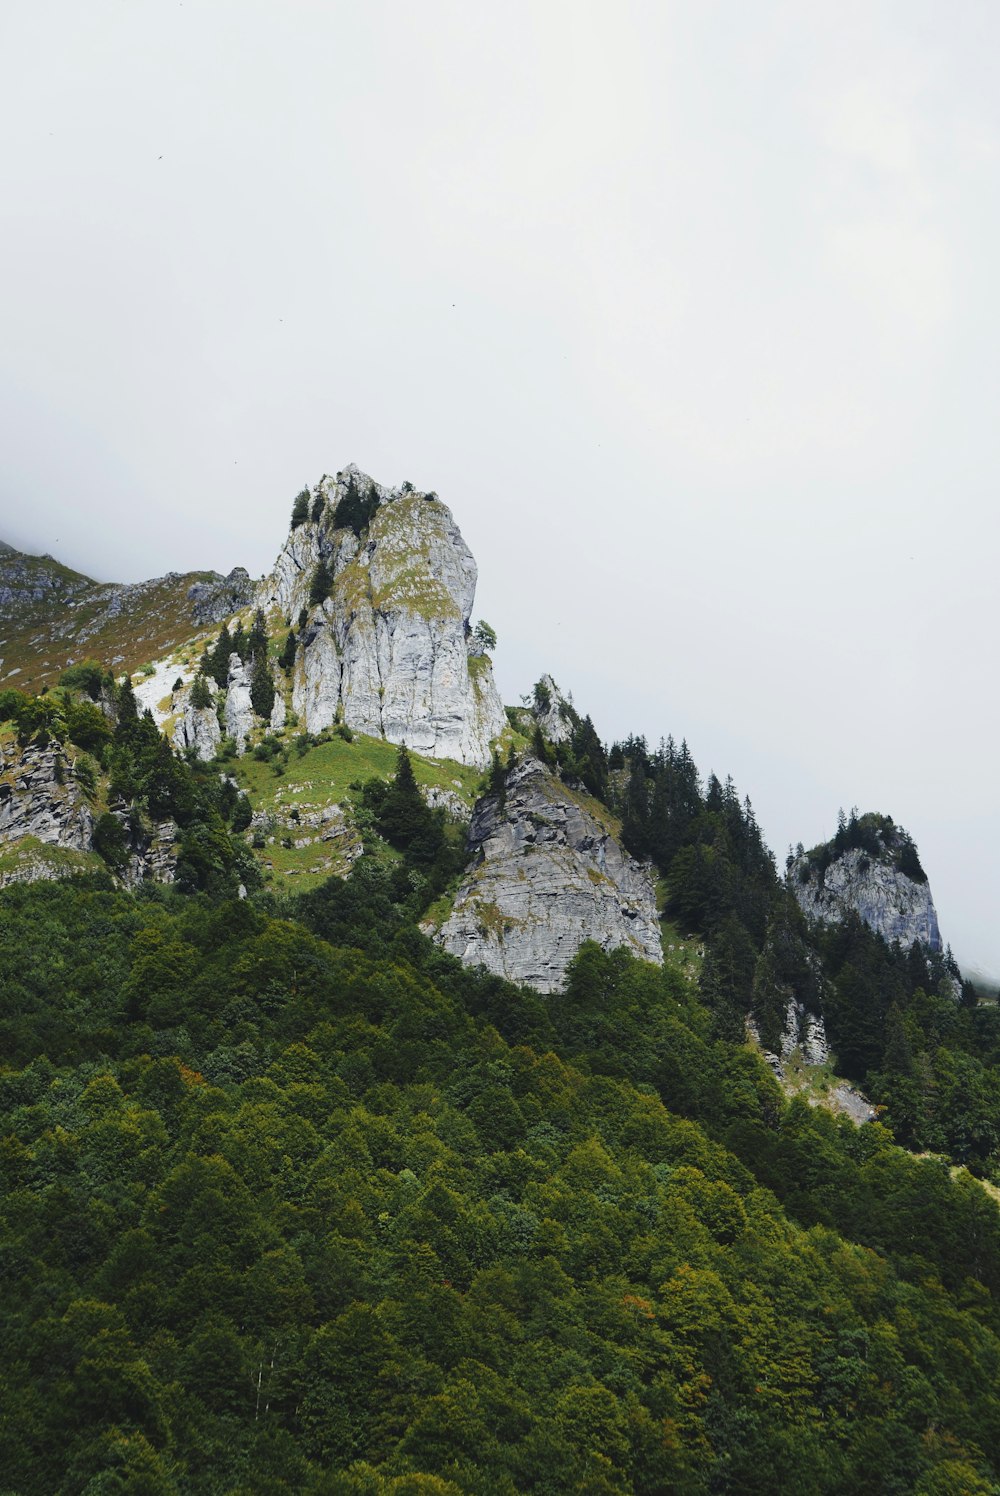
(52, 617)
(404, 1095)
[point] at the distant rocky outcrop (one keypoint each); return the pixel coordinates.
(52, 617)
(379, 585)
(554, 712)
(547, 874)
(870, 867)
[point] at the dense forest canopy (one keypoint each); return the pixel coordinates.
(292, 1201)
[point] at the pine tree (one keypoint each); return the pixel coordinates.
(322, 581)
(300, 509)
(262, 692)
(201, 696)
(257, 640)
(286, 659)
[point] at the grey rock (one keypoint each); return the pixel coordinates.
(198, 728)
(152, 854)
(34, 803)
(558, 718)
(41, 798)
(387, 651)
(895, 906)
(220, 597)
(805, 1032)
(239, 708)
(547, 874)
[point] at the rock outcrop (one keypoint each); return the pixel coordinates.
(386, 650)
(554, 712)
(47, 823)
(239, 708)
(40, 797)
(872, 868)
(198, 728)
(547, 874)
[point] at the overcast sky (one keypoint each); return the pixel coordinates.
(689, 312)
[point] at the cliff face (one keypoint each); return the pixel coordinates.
(880, 880)
(387, 650)
(40, 797)
(47, 823)
(547, 874)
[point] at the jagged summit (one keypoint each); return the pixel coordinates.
(870, 866)
(379, 586)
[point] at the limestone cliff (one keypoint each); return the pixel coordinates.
(41, 797)
(547, 873)
(872, 868)
(387, 649)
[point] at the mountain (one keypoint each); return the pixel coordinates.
(387, 648)
(52, 617)
(401, 1093)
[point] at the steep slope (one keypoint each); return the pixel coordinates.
(547, 874)
(52, 616)
(380, 585)
(50, 807)
(871, 867)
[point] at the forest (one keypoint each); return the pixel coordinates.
(292, 1201)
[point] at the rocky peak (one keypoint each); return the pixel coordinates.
(379, 586)
(547, 873)
(554, 712)
(871, 867)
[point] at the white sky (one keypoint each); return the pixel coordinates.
(689, 311)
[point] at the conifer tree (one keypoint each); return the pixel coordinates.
(300, 509)
(262, 692)
(201, 696)
(257, 640)
(286, 659)
(322, 581)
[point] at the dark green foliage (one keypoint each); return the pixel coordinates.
(111, 841)
(201, 696)
(300, 508)
(299, 1212)
(356, 510)
(497, 784)
(322, 581)
(257, 638)
(484, 637)
(215, 661)
(88, 677)
(318, 505)
(877, 836)
(262, 691)
(286, 659)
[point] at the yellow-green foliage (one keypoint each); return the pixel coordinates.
(323, 776)
(42, 860)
